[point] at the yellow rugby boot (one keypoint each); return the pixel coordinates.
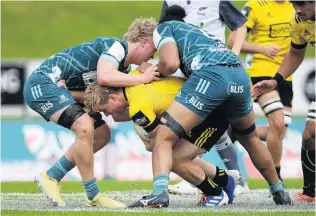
(104, 201)
(51, 188)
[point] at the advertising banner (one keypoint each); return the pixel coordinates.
(29, 147)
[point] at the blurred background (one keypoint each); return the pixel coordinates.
(33, 31)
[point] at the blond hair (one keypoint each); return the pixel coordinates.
(96, 95)
(139, 29)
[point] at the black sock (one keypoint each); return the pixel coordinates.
(308, 166)
(221, 177)
(278, 170)
(208, 187)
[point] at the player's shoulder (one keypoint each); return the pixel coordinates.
(172, 23)
(109, 41)
(296, 22)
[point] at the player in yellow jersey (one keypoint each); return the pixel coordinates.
(268, 42)
(146, 103)
(302, 33)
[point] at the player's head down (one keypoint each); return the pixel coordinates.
(140, 37)
(174, 12)
(109, 100)
(304, 9)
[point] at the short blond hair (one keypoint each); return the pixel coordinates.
(139, 29)
(96, 95)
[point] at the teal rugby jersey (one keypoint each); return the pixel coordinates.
(78, 65)
(197, 48)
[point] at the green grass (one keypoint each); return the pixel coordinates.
(40, 29)
(113, 185)
(73, 187)
(30, 213)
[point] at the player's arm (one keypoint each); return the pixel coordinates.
(292, 61)
(297, 51)
(109, 75)
(235, 20)
(167, 48)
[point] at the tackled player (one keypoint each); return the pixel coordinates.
(146, 103)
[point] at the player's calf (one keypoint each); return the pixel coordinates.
(308, 158)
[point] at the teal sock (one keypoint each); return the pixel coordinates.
(160, 184)
(60, 168)
(276, 187)
(91, 187)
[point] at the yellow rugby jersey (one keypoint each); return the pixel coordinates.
(302, 32)
(148, 101)
(269, 22)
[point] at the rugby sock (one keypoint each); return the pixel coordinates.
(160, 184)
(276, 187)
(91, 187)
(227, 152)
(221, 177)
(308, 165)
(60, 168)
(209, 187)
(278, 170)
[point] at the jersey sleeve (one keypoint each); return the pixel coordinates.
(297, 41)
(249, 11)
(144, 115)
(162, 35)
(232, 17)
(115, 53)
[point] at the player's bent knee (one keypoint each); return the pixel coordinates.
(278, 127)
(70, 115)
(83, 127)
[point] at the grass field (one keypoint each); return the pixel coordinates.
(24, 198)
(35, 29)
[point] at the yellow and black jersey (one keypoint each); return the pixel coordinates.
(269, 23)
(302, 32)
(148, 101)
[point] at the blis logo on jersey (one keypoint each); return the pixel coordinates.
(195, 101)
(45, 106)
(233, 88)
